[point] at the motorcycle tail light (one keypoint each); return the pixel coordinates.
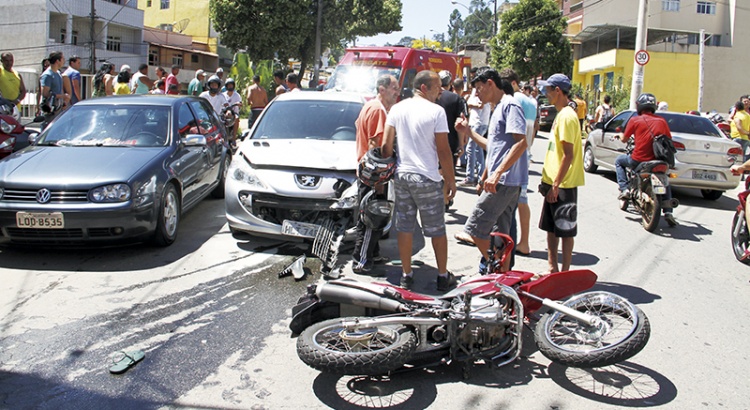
(678, 145)
(660, 168)
(735, 151)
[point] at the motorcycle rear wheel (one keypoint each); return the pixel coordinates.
(330, 347)
(650, 209)
(740, 237)
(623, 331)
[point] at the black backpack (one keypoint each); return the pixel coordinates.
(664, 149)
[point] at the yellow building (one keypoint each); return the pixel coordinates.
(188, 17)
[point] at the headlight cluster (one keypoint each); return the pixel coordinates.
(6, 128)
(111, 193)
(241, 171)
(8, 143)
(349, 199)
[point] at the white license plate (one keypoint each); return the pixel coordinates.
(40, 220)
(705, 175)
(301, 229)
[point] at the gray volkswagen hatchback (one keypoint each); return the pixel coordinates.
(114, 169)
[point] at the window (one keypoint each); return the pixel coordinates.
(186, 121)
(153, 57)
(620, 120)
(194, 58)
(714, 40)
(177, 60)
(63, 34)
(670, 5)
(609, 81)
(164, 4)
(148, 3)
(114, 43)
(706, 7)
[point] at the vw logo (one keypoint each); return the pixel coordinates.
(43, 196)
(707, 146)
(307, 181)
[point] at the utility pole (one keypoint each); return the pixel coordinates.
(92, 33)
(641, 42)
(701, 61)
(494, 19)
(316, 72)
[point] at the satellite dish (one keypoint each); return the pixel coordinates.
(181, 25)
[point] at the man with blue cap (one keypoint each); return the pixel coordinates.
(562, 174)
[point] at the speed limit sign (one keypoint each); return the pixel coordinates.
(642, 57)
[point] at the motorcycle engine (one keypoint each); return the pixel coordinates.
(488, 329)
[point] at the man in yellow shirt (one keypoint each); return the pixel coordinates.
(562, 174)
(580, 109)
(740, 127)
(11, 84)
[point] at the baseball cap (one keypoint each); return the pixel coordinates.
(125, 67)
(445, 77)
(199, 72)
(557, 80)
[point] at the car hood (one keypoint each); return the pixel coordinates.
(71, 166)
(317, 154)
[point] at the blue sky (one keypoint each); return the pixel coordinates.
(418, 17)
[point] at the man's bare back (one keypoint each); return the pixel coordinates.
(257, 97)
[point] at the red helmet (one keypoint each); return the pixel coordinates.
(374, 169)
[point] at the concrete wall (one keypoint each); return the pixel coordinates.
(196, 11)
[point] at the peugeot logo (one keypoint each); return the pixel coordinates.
(307, 181)
(43, 196)
(707, 146)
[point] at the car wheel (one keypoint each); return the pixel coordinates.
(711, 194)
(589, 162)
(169, 217)
(218, 192)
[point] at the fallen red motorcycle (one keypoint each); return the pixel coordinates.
(350, 327)
(740, 233)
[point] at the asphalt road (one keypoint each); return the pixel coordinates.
(211, 316)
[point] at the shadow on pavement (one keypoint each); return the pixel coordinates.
(624, 384)
(634, 294)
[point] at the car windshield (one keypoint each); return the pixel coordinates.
(109, 126)
(691, 124)
(359, 79)
(306, 119)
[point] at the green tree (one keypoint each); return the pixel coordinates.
(455, 28)
(478, 24)
(531, 40)
(287, 28)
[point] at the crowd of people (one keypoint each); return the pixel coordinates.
(488, 128)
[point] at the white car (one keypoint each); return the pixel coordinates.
(704, 154)
(296, 171)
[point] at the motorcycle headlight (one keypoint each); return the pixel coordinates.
(8, 143)
(349, 199)
(145, 193)
(241, 171)
(6, 128)
(111, 193)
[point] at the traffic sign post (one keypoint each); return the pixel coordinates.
(642, 57)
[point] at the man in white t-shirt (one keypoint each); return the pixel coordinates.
(214, 95)
(421, 127)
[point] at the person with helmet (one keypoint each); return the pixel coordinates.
(233, 97)
(373, 173)
(642, 128)
(213, 94)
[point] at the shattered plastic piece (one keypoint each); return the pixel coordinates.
(296, 268)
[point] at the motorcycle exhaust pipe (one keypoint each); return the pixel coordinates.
(351, 296)
(670, 203)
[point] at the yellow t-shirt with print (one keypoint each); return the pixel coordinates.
(744, 120)
(565, 128)
(10, 84)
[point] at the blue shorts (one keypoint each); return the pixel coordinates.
(416, 192)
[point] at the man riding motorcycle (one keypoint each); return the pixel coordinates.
(643, 128)
(214, 95)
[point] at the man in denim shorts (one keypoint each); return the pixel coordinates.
(422, 130)
(507, 166)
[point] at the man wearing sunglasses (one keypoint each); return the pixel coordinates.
(562, 174)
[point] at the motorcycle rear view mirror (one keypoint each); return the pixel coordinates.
(39, 118)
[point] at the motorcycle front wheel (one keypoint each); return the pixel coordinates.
(740, 237)
(622, 331)
(331, 347)
(650, 208)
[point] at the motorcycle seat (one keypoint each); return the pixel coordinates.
(647, 166)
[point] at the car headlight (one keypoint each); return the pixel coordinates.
(6, 128)
(145, 193)
(8, 143)
(241, 171)
(349, 198)
(111, 193)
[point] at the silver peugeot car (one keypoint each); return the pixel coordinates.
(296, 170)
(704, 154)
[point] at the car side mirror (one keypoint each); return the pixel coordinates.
(406, 92)
(32, 138)
(39, 118)
(245, 135)
(194, 140)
